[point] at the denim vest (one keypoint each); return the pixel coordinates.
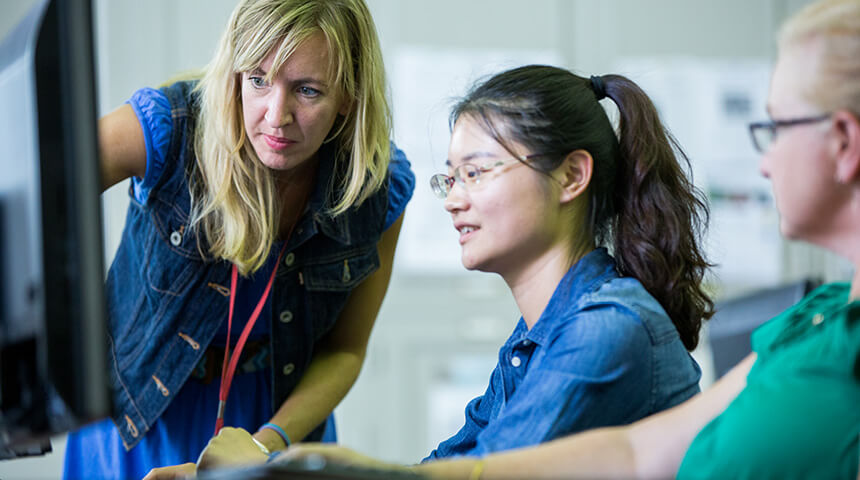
(166, 302)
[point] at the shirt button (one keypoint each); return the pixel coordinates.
(289, 259)
(526, 342)
(516, 362)
(817, 319)
(175, 238)
(288, 368)
(286, 316)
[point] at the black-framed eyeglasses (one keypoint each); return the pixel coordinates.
(469, 174)
(764, 133)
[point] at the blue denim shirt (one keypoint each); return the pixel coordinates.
(603, 353)
(166, 302)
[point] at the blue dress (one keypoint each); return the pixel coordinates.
(185, 427)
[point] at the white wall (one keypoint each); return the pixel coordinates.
(437, 334)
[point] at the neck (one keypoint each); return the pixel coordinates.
(294, 188)
(534, 285)
(842, 240)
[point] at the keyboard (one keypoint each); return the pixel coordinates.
(311, 468)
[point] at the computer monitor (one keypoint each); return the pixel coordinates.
(53, 362)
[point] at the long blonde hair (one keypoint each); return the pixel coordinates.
(234, 199)
(835, 23)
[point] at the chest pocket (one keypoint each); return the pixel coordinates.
(172, 256)
(329, 284)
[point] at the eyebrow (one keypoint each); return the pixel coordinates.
(305, 80)
(472, 156)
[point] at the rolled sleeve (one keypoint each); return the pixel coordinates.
(401, 185)
(152, 109)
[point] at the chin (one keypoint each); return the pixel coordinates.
(477, 265)
(788, 232)
(470, 263)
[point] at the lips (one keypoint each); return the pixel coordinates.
(277, 143)
(466, 231)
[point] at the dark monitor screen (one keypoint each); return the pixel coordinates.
(53, 363)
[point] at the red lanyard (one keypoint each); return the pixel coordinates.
(228, 371)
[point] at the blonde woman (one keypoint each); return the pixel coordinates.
(259, 240)
(792, 409)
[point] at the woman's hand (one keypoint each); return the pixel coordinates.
(174, 472)
(231, 447)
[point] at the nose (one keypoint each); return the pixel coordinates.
(279, 108)
(457, 199)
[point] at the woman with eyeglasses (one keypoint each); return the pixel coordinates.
(538, 186)
(792, 408)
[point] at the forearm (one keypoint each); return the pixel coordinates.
(603, 453)
(660, 441)
(315, 397)
(337, 361)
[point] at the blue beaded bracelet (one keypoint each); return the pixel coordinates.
(280, 431)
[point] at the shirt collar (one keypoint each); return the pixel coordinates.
(585, 276)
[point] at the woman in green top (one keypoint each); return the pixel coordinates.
(792, 408)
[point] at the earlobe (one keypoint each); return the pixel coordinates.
(576, 171)
(848, 151)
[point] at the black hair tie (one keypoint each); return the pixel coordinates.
(598, 86)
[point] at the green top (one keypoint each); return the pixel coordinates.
(799, 415)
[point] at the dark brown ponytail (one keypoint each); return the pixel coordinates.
(643, 206)
(659, 215)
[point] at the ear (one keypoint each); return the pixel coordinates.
(847, 149)
(574, 174)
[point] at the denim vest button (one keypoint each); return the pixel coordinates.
(286, 316)
(175, 238)
(526, 342)
(288, 368)
(289, 259)
(516, 362)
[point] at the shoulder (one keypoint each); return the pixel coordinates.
(642, 312)
(619, 305)
(599, 336)
(152, 108)
(828, 300)
(182, 95)
(401, 185)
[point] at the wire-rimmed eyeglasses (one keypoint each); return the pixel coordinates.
(764, 133)
(468, 174)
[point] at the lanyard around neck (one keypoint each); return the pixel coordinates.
(228, 368)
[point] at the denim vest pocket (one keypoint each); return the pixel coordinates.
(343, 272)
(170, 247)
(333, 281)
